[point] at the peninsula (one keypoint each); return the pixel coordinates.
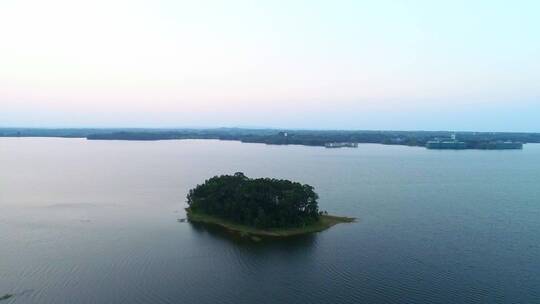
(262, 207)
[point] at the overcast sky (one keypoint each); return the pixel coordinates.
(415, 65)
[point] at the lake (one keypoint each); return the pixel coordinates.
(96, 222)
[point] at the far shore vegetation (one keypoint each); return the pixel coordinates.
(259, 207)
(472, 140)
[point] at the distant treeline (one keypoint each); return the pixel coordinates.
(279, 137)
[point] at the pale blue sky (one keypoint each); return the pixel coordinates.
(430, 65)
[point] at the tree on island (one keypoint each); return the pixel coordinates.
(259, 202)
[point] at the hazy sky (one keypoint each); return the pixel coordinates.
(453, 65)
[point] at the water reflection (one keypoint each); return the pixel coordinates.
(290, 244)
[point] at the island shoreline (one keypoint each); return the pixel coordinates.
(324, 222)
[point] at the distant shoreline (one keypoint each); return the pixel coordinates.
(342, 138)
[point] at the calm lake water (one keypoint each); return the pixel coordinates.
(96, 222)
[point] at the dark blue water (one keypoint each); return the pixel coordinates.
(96, 222)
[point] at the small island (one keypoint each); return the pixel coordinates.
(6, 296)
(261, 207)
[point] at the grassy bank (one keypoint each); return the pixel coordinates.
(325, 222)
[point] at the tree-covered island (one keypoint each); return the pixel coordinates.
(259, 206)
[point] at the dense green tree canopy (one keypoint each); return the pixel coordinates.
(260, 202)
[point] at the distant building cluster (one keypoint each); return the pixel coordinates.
(341, 145)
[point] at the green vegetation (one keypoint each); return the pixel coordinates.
(262, 206)
(261, 202)
(6, 296)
